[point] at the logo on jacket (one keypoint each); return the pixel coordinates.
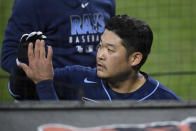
(84, 5)
(86, 31)
(89, 82)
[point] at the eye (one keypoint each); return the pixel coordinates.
(111, 50)
(98, 46)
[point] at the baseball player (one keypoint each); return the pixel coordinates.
(123, 49)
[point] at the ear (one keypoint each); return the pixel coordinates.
(135, 58)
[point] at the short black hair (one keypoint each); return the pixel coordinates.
(136, 35)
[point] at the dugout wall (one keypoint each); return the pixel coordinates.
(32, 116)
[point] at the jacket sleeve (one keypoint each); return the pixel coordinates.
(69, 81)
(65, 81)
(46, 91)
(22, 20)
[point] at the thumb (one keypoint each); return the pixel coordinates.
(24, 66)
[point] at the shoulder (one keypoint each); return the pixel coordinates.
(74, 71)
(159, 91)
(83, 70)
(24, 4)
(165, 93)
(104, 2)
(25, 8)
(29, 5)
(106, 5)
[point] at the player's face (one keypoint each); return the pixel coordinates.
(112, 61)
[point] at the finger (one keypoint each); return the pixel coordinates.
(42, 49)
(24, 67)
(37, 49)
(30, 52)
(50, 53)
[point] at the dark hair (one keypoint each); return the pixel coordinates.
(136, 35)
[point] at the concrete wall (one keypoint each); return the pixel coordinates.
(28, 116)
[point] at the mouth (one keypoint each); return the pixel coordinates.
(100, 67)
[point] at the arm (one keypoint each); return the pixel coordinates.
(46, 90)
(40, 69)
(23, 20)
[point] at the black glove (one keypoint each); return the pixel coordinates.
(21, 86)
(24, 42)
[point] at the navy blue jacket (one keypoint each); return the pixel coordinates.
(73, 28)
(82, 83)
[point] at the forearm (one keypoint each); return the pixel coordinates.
(46, 91)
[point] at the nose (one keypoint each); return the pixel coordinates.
(101, 54)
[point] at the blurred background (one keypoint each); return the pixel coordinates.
(173, 58)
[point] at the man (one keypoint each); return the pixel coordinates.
(123, 49)
(72, 27)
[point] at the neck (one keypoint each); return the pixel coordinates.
(130, 84)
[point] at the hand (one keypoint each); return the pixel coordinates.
(20, 85)
(40, 64)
